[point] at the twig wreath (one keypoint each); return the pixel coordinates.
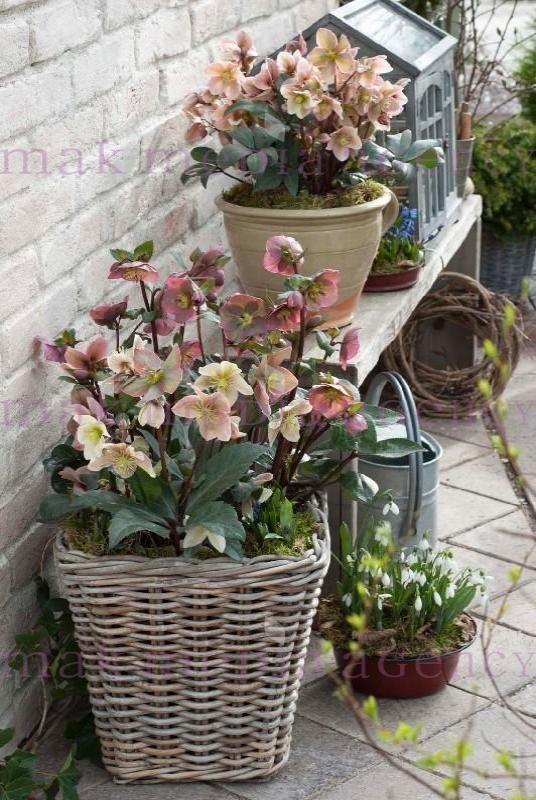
(492, 318)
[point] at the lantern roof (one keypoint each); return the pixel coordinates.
(386, 26)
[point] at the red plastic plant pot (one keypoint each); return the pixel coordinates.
(400, 678)
(392, 281)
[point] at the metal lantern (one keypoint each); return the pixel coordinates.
(424, 53)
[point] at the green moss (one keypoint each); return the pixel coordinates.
(305, 525)
(243, 194)
(94, 543)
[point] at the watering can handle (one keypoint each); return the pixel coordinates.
(413, 430)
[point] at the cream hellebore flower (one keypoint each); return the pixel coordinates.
(152, 413)
(331, 54)
(154, 377)
(343, 143)
(197, 535)
(224, 377)
(91, 433)
(123, 460)
(300, 101)
(286, 421)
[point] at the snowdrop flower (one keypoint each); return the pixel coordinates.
(402, 557)
(383, 534)
(420, 578)
(347, 600)
(412, 559)
(386, 580)
(437, 599)
(424, 544)
(451, 591)
(418, 604)
(391, 508)
(406, 576)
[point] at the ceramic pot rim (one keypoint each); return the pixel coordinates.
(309, 213)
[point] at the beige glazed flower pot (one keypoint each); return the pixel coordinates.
(345, 239)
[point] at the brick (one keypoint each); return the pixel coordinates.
(25, 554)
(308, 12)
(251, 9)
(208, 20)
(166, 33)
(92, 282)
(34, 98)
(182, 76)
(29, 214)
(18, 162)
(165, 225)
(63, 247)
(20, 273)
(128, 105)
(62, 140)
(119, 12)
(111, 165)
(163, 143)
(271, 33)
(134, 202)
(5, 582)
(101, 66)
(58, 27)
(52, 313)
(14, 53)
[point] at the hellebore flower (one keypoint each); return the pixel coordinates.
(208, 266)
(284, 318)
(133, 271)
(81, 364)
(225, 78)
(368, 70)
(286, 422)
(73, 476)
(224, 377)
(343, 142)
(331, 54)
(152, 413)
(349, 347)
(212, 412)
(300, 102)
(284, 255)
(154, 377)
(355, 423)
(190, 350)
(236, 433)
(123, 460)
(108, 314)
(330, 400)
(327, 106)
(50, 350)
(241, 50)
(243, 316)
(91, 433)
(198, 533)
(323, 291)
(180, 298)
(271, 382)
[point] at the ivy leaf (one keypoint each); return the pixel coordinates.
(65, 781)
(86, 743)
(222, 472)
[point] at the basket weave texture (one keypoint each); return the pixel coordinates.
(193, 667)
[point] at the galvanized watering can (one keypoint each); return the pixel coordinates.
(414, 479)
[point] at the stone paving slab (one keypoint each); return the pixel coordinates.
(386, 782)
(500, 581)
(468, 429)
(317, 702)
(493, 729)
(456, 452)
(320, 759)
(509, 538)
(460, 510)
(485, 476)
(519, 611)
(511, 658)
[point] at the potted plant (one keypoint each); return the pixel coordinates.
(297, 133)
(504, 174)
(399, 622)
(194, 541)
(399, 259)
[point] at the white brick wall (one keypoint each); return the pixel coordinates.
(75, 74)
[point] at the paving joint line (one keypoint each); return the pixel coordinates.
(496, 557)
(481, 494)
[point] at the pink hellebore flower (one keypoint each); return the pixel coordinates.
(180, 298)
(82, 364)
(123, 460)
(355, 423)
(50, 350)
(283, 256)
(243, 316)
(271, 382)
(133, 271)
(388, 100)
(240, 50)
(73, 476)
(327, 106)
(368, 70)
(330, 400)
(286, 422)
(108, 314)
(190, 350)
(152, 413)
(331, 54)
(284, 317)
(225, 78)
(349, 347)
(212, 412)
(154, 377)
(343, 143)
(323, 291)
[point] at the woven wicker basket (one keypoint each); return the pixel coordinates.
(193, 667)
(503, 265)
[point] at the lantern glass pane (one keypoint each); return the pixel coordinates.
(400, 35)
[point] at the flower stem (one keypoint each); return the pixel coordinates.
(200, 337)
(152, 323)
